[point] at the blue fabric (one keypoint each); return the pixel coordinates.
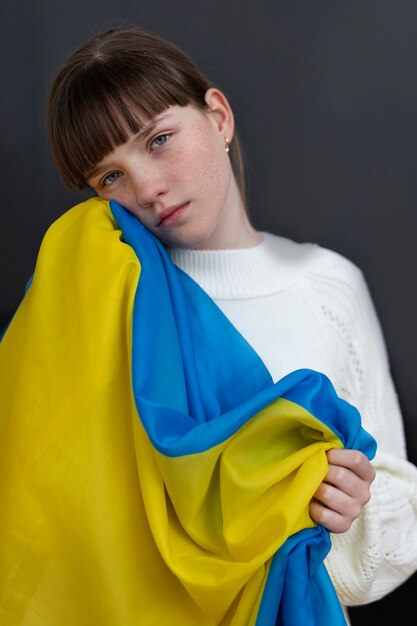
(202, 382)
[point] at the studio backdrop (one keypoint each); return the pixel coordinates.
(325, 99)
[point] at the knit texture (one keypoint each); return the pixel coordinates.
(303, 306)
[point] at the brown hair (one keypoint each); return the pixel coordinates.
(102, 89)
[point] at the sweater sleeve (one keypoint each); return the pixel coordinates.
(316, 312)
(379, 552)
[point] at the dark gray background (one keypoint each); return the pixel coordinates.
(325, 97)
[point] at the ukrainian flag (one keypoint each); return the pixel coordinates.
(151, 473)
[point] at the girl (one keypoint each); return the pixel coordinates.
(131, 117)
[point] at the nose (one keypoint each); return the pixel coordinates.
(148, 184)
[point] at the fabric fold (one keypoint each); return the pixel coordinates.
(150, 470)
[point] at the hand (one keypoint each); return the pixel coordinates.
(344, 491)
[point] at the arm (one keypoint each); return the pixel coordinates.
(379, 551)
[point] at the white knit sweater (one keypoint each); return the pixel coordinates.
(302, 306)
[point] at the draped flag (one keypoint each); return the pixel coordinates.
(151, 472)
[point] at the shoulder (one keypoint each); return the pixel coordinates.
(329, 280)
(85, 236)
(315, 261)
(93, 212)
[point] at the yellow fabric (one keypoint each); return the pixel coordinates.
(96, 526)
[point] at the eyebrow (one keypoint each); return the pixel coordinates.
(143, 133)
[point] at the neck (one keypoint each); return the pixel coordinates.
(247, 236)
(235, 229)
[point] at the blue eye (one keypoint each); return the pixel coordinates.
(111, 178)
(159, 141)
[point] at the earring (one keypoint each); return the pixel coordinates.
(227, 144)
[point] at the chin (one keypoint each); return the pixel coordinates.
(191, 241)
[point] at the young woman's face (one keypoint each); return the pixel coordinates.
(176, 176)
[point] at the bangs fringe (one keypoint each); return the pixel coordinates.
(101, 111)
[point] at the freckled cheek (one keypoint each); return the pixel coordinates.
(199, 170)
(129, 202)
(206, 168)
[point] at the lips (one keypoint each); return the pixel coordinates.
(171, 215)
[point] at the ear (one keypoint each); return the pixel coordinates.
(221, 111)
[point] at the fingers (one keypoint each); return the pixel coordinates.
(343, 480)
(342, 501)
(332, 520)
(354, 460)
(345, 490)
(336, 509)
